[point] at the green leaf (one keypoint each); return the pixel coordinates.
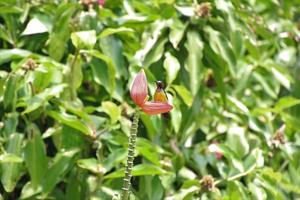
(84, 39)
(61, 33)
(72, 121)
(185, 94)
(11, 121)
(75, 75)
(92, 165)
(103, 73)
(28, 190)
(35, 26)
(220, 45)
(11, 171)
(35, 156)
(115, 157)
(110, 31)
(148, 150)
(172, 67)
(112, 110)
(60, 165)
(41, 98)
(188, 11)
(286, 102)
(193, 63)
(10, 92)
(219, 67)
(138, 170)
(112, 47)
(177, 30)
(155, 53)
(231, 156)
(10, 158)
(237, 141)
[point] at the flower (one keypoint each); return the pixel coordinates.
(139, 93)
(207, 182)
(213, 148)
(101, 2)
(139, 90)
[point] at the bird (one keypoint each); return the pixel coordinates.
(160, 94)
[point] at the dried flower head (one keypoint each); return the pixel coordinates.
(278, 137)
(30, 65)
(204, 9)
(207, 182)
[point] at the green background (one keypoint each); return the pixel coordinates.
(232, 70)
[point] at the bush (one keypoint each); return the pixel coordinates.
(231, 70)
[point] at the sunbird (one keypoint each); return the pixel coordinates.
(160, 95)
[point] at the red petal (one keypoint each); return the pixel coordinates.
(101, 2)
(154, 108)
(139, 90)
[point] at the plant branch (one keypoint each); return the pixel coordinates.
(130, 157)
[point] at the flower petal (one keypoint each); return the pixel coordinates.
(139, 90)
(154, 108)
(101, 2)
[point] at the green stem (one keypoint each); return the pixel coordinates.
(130, 157)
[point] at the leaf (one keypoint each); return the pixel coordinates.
(112, 110)
(153, 45)
(103, 73)
(11, 121)
(74, 75)
(39, 99)
(11, 171)
(220, 45)
(176, 115)
(35, 156)
(34, 26)
(115, 157)
(28, 190)
(10, 158)
(219, 67)
(84, 39)
(148, 150)
(92, 165)
(235, 102)
(285, 102)
(155, 53)
(282, 78)
(61, 163)
(193, 63)
(10, 92)
(177, 30)
(112, 47)
(60, 33)
(236, 140)
(72, 121)
(138, 170)
(172, 67)
(110, 31)
(231, 156)
(188, 11)
(184, 94)
(10, 10)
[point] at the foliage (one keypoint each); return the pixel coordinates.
(232, 73)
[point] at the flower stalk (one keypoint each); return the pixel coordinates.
(130, 156)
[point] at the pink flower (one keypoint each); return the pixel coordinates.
(101, 2)
(139, 93)
(213, 148)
